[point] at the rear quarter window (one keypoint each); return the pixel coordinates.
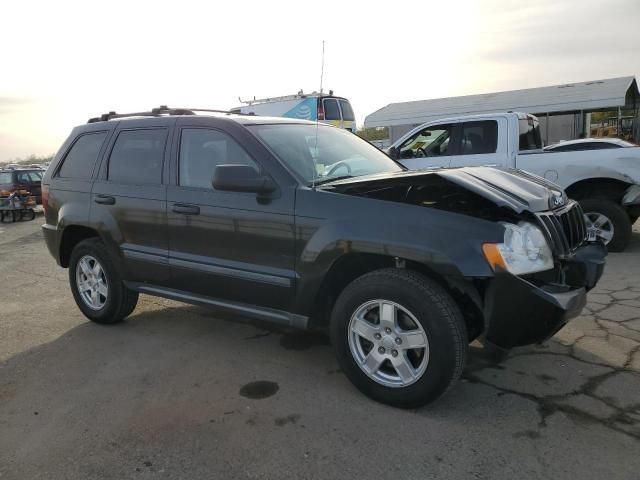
(6, 178)
(529, 134)
(79, 162)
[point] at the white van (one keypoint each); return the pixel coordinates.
(322, 107)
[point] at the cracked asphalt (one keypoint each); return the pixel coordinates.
(179, 392)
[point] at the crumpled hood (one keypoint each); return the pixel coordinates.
(509, 188)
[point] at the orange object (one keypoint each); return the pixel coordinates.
(493, 255)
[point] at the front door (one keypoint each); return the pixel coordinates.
(227, 245)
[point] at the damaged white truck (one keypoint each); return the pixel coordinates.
(606, 182)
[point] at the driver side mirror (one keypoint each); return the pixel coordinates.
(393, 152)
(241, 178)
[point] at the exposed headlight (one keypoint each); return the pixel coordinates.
(525, 250)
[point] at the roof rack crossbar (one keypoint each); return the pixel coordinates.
(161, 110)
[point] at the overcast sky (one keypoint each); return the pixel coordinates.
(63, 61)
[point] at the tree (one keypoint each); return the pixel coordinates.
(30, 160)
(375, 133)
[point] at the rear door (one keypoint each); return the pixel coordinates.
(482, 143)
(129, 199)
(348, 117)
(227, 245)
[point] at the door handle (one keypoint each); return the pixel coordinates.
(105, 200)
(185, 209)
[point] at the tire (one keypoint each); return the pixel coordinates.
(416, 301)
(118, 302)
(616, 215)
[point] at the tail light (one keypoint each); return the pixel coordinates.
(45, 198)
(320, 110)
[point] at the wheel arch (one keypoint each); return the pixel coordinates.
(466, 293)
(71, 236)
(603, 187)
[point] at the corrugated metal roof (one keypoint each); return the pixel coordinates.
(590, 95)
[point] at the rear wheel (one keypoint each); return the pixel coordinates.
(399, 337)
(607, 221)
(96, 284)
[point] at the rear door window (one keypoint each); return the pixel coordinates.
(202, 150)
(479, 137)
(79, 162)
(137, 156)
(347, 111)
(331, 110)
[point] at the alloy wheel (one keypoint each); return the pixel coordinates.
(599, 227)
(388, 343)
(91, 281)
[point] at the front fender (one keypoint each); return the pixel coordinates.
(447, 243)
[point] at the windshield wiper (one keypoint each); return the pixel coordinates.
(332, 179)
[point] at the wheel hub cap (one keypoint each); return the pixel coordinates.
(599, 227)
(388, 343)
(91, 281)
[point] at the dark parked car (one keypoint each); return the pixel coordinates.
(22, 179)
(404, 267)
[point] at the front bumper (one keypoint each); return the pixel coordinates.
(632, 196)
(521, 311)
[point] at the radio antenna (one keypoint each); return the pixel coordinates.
(313, 181)
(322, 67)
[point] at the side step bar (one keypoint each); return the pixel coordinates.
(273, 315)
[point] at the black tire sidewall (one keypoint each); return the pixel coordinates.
(108, 313)
(441, 368)
(617, 215)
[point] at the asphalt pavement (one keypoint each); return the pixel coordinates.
(179, 392)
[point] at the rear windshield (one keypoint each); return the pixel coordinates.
(529, 134)
(6, 177)
(347, 111)
(331, 111)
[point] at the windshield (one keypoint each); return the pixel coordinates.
(319, 153)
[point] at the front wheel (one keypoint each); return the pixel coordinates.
(607, 221)
(399, 337)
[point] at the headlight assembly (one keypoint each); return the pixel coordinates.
(524, 250)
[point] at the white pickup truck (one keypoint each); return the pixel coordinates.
(605, 181)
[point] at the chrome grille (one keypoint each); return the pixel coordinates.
(564, 228)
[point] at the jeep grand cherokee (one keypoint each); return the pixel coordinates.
(307, 225)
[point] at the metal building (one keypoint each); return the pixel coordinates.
(564, 110)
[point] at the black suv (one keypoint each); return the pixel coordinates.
(307, 225)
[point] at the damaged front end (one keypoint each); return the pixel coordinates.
(530, 308)
(545, 266)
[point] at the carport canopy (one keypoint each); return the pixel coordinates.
(572, 97)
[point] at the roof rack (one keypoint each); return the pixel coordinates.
(295, 96)
(161, 110)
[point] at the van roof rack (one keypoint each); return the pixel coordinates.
(161, 110)
(295, 96)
